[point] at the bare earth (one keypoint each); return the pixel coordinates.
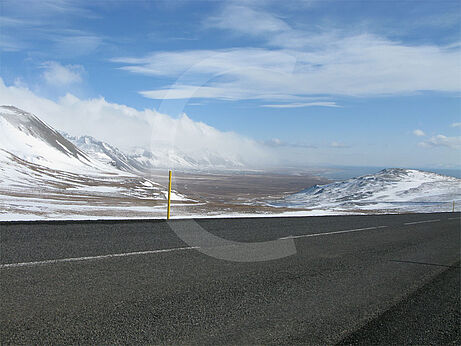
(237, 188)
(210, 194)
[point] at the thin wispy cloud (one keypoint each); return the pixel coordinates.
(338, 145)
(277, 143)
(77, 44)
(12, 22)
(305, 104)
(9, 44)
(299, 64)
(46, 8)
(242, 19)
(438, 20)
(27, 24)
(456, 125)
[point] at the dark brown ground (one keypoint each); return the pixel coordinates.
(237, 188)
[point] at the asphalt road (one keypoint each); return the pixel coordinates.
(352, 279)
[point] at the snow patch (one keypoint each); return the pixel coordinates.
(390, 189)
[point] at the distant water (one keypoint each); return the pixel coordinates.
(347, 172)
(450, 172)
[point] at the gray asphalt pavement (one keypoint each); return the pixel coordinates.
(353, 279)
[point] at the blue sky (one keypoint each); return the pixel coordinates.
(372, 83)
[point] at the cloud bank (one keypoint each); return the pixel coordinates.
(128, 128)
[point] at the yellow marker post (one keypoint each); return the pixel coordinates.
(453, 206)
(169, 196)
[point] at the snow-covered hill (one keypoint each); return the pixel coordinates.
(44, 174)
(390, 189)
(27, 137)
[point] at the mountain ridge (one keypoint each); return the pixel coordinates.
(28, 137)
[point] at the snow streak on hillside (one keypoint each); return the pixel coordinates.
(394, 190)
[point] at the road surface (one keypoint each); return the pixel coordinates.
(353, 279)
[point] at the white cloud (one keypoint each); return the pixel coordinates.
(277, 143)
(245, 20)
(9, 44)
(456, 125)
(305, 104)
(58, 75)
(44, 9)
(192, 91)
(74, 43)
(299, 64)
(338, 145)
(127, 127)
(360, 65)
(29, 23)
(236, 60)
(419, 133)
(442, 141)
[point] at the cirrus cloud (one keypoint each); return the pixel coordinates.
(297, 65)
(363, 65)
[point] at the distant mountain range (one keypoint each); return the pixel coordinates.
(390, 189)
(141, 160)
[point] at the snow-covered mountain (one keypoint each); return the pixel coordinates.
(43, 173)
(102, 151)
(389, 189)
(27, 137)
(164, 157)
(141, 160)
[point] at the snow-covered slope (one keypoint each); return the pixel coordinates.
(20, 177)
(389, 189)
(101, 151)
(44, 175)
(27, 137)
